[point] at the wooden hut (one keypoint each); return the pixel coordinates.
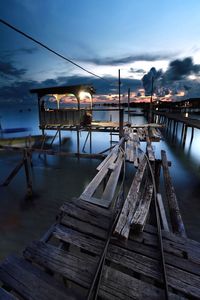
(53, 117)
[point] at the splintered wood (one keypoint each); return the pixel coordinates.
(137, 135)
(136, 205)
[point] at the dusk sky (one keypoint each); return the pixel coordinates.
(102, 36)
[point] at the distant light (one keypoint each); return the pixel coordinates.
(186, 115)
(83, 95)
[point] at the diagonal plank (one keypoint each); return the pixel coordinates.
(110, 188)
(123, 225)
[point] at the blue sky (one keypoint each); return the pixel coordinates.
(102, 36)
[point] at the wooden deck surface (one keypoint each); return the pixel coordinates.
(63, 263)
(63, 266)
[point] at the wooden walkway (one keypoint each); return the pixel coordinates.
(87, 236)
(179, 118)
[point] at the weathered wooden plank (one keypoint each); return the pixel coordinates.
(178, 279)
(117, 285)
(77, 267)
(90, 215)
(162, 213)
(140, 216)
(4, 295)
(81, 240)
(30, 282)
(149, 148)
(173, 244)
(108, 157)
(95, 246)
(84, 227)
(123, 225)
(111, 185)
(91, 208)
(97, 201)
(175, 215)
(93, 185)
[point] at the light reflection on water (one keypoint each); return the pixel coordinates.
(59, 178)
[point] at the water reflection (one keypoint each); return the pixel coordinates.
(56, 179)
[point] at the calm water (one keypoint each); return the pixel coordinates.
(57, 179)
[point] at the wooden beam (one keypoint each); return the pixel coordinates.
(175, 215)
(162, 212)
(123, 225)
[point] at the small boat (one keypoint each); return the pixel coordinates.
(13, 130)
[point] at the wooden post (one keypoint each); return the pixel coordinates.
(119, 83)
(185, 135)
(78, 141)
(192, 135)
(121, 123)
(90, 141)
(129, 105)
(59, 138)
(151, 101)
(175, 215)
(28, 177)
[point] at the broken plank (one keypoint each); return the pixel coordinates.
(93, 185)
(124, 222)
(141, 213)
(175, 215)
(111, 185)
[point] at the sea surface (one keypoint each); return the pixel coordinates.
(57, 179)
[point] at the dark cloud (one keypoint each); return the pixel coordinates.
(8, 69)
(7, 54)
(180, 69)
(139, 71)
(149, 80)
(20, 90)
(110, 61)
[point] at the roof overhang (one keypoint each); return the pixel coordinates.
(61, 90)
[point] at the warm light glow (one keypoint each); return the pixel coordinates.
(181, 94)
(83, 95)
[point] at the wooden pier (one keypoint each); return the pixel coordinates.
(104, 244)
(172, 120)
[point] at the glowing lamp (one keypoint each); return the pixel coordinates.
(83, 95)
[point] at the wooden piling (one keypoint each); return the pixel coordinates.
(28, 177)
(175, 215)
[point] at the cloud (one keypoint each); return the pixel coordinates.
(20, 90)
(108, 61)
(8, 69)
(149, 80)
(180, 69)
(7, 54)
(139, 71)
